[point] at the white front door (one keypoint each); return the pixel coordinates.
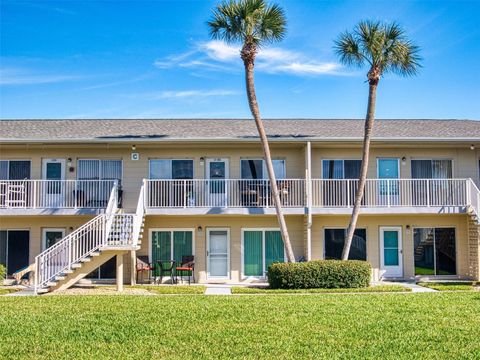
(217, 173)
(218, 253)
(388, 169)
(391, 252)
(53, 190)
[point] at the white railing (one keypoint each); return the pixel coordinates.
(474, 197)
(391, 193)
(231, 193)
(109, 229)
(43, 194)
(139, 214)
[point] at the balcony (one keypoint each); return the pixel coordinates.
(240, 196)
(25, 197)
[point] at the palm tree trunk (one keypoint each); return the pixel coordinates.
(372, 95)
(252, 102)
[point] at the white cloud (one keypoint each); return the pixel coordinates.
(217, 55)
(14, 76)
(183, 94)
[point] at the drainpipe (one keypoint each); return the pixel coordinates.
(308, 177)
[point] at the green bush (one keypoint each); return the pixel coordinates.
(324, 274)
(2, 273)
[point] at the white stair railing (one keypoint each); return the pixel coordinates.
(474, 197)
(79, 244)
(139, 214)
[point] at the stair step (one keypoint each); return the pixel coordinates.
(51, 283)
(67, 272)
(96, 253)
(76, 266)
(84, 260)
(60, 278)
(42, 291)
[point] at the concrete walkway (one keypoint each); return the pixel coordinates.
(415, 288)
(218, 290)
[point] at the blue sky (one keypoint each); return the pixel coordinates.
(154, 59)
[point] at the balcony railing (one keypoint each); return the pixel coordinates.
(232, 193)
(55, 194)
(236, 193)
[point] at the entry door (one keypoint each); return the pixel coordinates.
(53, 190)
(52, 236)
(217, 173)
(14, 249)
(388, 169)
(218, 253)
(391, 251)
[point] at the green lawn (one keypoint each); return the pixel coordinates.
(259, 290)
(4, 291)
(449, 286)
(421, 325)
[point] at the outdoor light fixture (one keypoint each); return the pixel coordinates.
(69, 165)
(472, 147)
(134, 147)
(202, 161)
(404, 160)
(408, 227)
(70, 228)
(199, 229)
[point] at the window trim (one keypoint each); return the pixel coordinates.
(431, 159)
(242, 252)
(345, 229)
(10, 159)
(170, 159)
(434, 248)
(340, 159)
(44, 233)
(171, 230)
(264, 167)
(100, 167)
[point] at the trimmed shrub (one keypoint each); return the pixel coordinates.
(2, 273)
(321, 274)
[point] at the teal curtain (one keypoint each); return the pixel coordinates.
(252, 252)
(273, 248)
(161, 247)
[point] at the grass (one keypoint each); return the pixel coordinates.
(371, 289)
(4, 291)
(168, 289)
(449, 286)
(387, 326)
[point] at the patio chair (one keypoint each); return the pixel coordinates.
(187, 265)
(144, 266)
(165, 268)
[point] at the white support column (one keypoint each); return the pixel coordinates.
(309, 189)
(120, 272)
(133, 267)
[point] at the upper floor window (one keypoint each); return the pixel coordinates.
(432, 169)
(256, 169)
(171, 169)
(341, 169)
(14, 169)
(95, 169)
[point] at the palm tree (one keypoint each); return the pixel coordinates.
(384, 48)
(254, 23)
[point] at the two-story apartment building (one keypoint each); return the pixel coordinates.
(76, 194)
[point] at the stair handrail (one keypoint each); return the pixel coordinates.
(473, 197)
(70, 255)
(139, 214)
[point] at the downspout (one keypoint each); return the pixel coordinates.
(309, 199)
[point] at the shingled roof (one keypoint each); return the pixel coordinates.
(231, 129)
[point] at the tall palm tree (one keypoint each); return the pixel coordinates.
(384, 48)
(254, 23)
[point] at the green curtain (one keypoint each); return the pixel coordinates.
(274, 250)
(161, 247)
(182, 245)
(252, 252)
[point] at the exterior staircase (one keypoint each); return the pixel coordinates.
(85, 249)
(473, 211)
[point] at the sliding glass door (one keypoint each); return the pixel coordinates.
(434, 251)
(14, 249)
(261, 248)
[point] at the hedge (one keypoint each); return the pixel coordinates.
(321, 274)
(2, 273)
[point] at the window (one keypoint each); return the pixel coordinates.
(172, 245)
(14, 249)
(256, 169)
(335, 239)
(260, 249)
(431, 169)
(434, 251)
(52, 236)
(94, 169)
(171, 169)
(14, 169)
(341, 169)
